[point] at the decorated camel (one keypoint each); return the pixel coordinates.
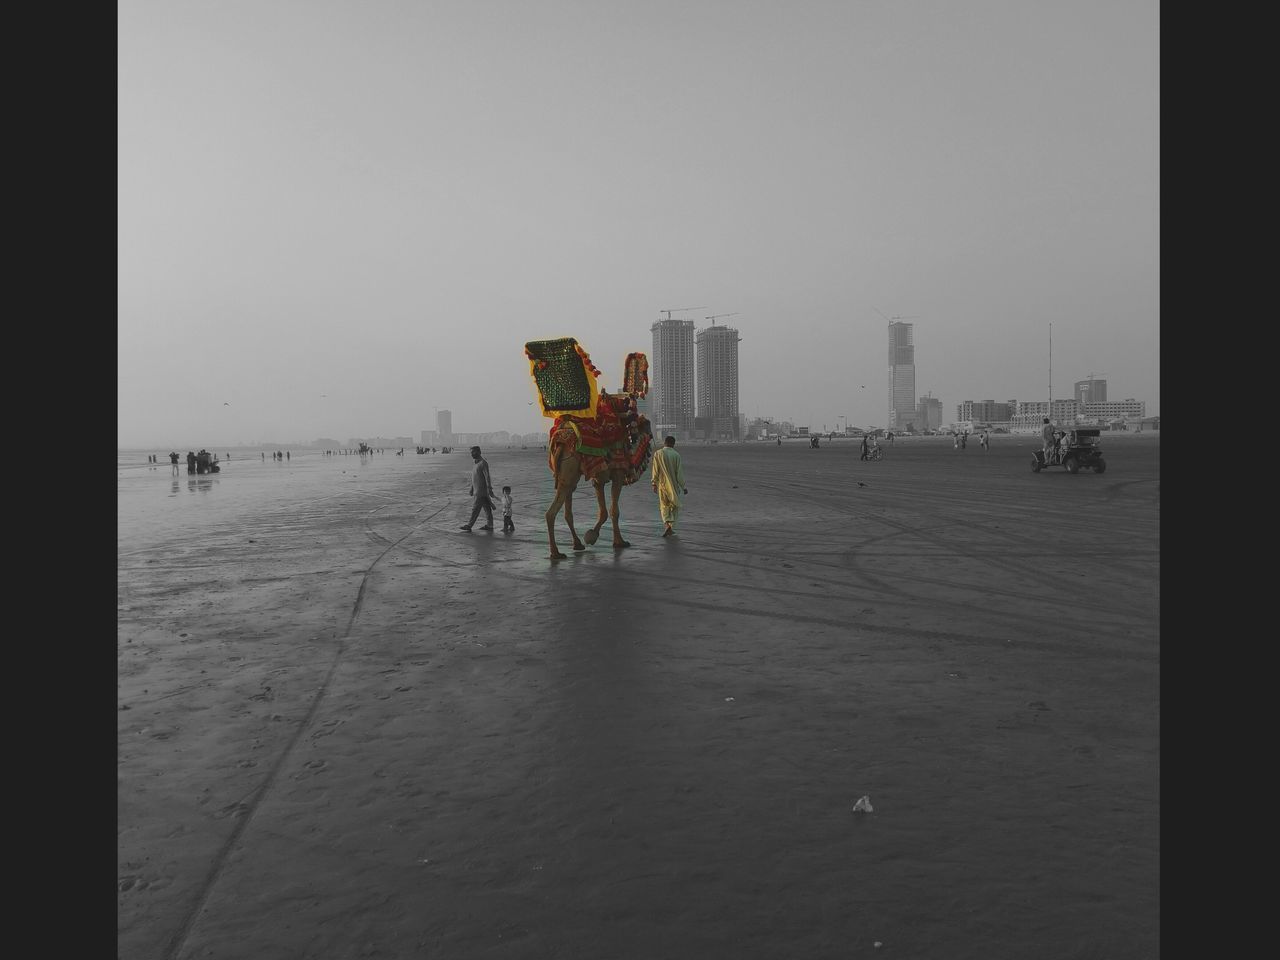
(595, 434)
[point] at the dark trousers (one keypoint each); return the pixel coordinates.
(485, 504)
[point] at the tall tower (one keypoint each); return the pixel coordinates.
(671, 377)
(444, 426)
(718, 382)
(902, 375)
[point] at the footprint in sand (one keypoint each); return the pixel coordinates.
(311, 768)
(237, 809)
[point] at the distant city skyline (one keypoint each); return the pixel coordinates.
(927, 413)
(679, 350)
(674, 347)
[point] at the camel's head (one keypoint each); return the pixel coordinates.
(641, 436)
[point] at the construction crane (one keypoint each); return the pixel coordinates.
(717, 316)
(1092, 377)
(679, 310)
(895, 318)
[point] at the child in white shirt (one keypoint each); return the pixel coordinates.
(507, 525)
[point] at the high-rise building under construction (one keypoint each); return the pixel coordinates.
(671, 378)
(902, 375)
(1092, 390)
(717, 349)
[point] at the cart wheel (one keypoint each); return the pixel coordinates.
(1072, 465)
(1100, 466)
(1035, 466)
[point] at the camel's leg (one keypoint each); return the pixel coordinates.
(568, 521)
(566, 472)
(561, 498)
(602, 513)
(615, 511)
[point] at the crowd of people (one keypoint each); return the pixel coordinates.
(201, 462)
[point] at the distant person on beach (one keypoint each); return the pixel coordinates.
(667, 479)
(173, 459)
(984, 441)
(866, 448)
(1046, 435)
(482, 491)
(191, 461)
(508, 525)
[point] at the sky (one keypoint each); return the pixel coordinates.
(335, 218)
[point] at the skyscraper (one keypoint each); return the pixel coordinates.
(1092, 390)
(902, 375)
(444, 426)
(718, 382)
(671, 378)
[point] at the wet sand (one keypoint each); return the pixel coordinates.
(347, 729)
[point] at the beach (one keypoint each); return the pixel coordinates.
(348, 729)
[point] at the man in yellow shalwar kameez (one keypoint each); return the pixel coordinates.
(667, 480)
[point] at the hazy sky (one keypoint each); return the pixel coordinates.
(336, 217)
